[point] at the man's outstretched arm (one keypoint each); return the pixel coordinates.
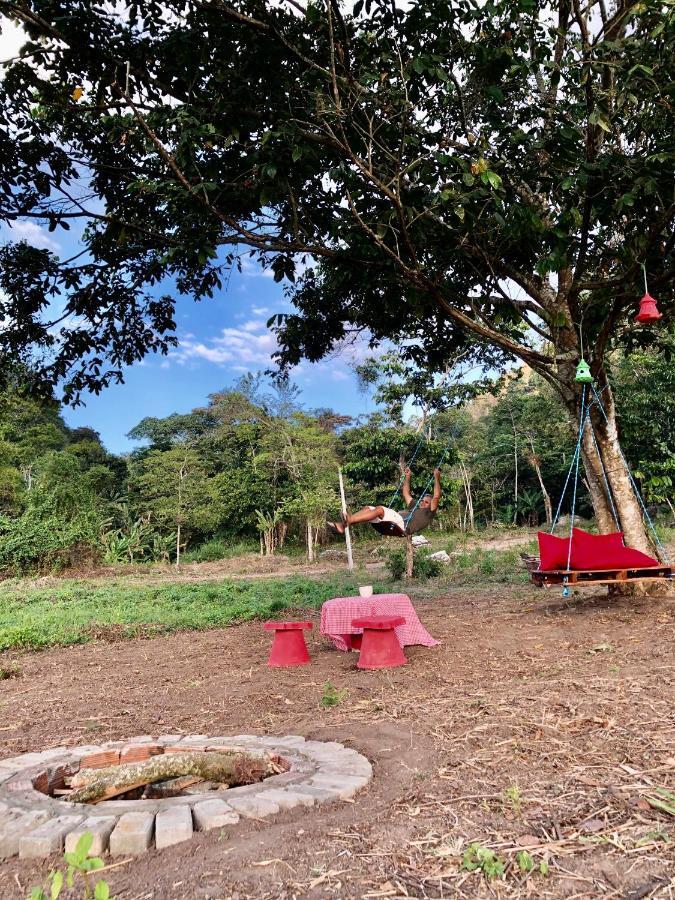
(436, 497)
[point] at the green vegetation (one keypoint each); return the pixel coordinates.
(502, 210)
(477, 858)
(423, 566)
(80, 867)
(331, 696)
(255, 472)
(77, 611)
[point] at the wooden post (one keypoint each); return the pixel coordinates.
(409, 556)
(348, 537)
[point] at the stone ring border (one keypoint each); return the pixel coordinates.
(34, 824)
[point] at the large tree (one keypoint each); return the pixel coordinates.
(459, 175)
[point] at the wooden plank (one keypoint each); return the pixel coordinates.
(582, 577)
(548, 578)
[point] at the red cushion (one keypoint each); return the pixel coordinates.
(605, 551)
(596, 543)
(553, 551)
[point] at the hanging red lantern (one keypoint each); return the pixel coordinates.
(648, 310)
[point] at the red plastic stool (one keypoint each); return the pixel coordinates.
(380, 648)
(288, 646)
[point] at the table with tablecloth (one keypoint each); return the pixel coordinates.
(337, 616)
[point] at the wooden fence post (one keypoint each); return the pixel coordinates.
(348, 537)
(409, 556)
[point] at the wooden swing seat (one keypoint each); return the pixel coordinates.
(388, 529)
(580, 577)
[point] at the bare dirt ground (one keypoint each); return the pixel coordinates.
(537, 723)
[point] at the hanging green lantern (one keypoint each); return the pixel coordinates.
(583, 375)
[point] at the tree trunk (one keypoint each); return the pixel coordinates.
(232, 767)
(534, 459)
(178, 545)
(468, 516)
(515, 479)
(409, 556)
(310, 543)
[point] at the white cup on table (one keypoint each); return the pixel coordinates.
(366, 590)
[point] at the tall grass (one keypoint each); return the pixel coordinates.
(75, 612)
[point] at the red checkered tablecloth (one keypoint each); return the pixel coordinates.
(337, 615)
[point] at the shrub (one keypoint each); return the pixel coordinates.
(423, 566)
(218, 548)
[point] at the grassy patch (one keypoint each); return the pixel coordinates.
(217, 549)
(478, 565)
(75, 612)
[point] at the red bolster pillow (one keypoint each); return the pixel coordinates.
(606, 551)
(553, 551)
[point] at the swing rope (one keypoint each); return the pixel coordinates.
(636, 491)
(575, 457)
(582, 426)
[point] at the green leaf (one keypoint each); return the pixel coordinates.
(494, 179)
(91, 865)
(666, 805)
(524, 861)
(468, 179)
(296, 154)
(418, 65)
(57, 884)
(543, 867)
(101, 891)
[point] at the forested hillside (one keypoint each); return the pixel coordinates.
(254, 465)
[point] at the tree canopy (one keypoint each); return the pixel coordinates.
(454, 175)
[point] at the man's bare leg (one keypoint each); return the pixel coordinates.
(367, 514)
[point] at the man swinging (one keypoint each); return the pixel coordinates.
(420, 513)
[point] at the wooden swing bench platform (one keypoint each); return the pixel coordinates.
(580, 577)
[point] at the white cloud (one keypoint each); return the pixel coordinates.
(249, 345)
(12, 38)
(261, 310)
(249, 269)
(33, 235)
(253, 325)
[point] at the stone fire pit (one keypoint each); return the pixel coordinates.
(37, 819)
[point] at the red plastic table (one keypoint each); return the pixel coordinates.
(337, 617)
(288, 646)
(380, 648)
